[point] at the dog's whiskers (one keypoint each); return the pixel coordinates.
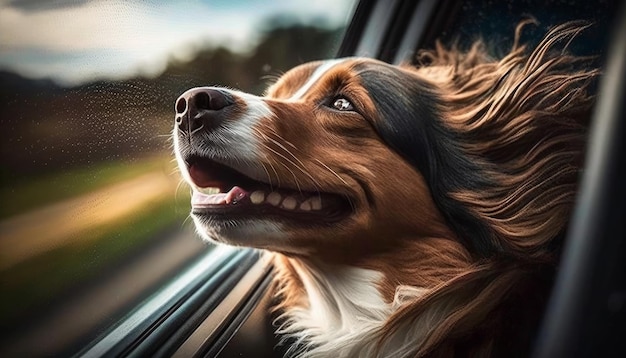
(187, 219)
(281, 138)
(269, 178)
(332, 171)
(285, 165)
(302, 166)
(269, 162)
(295, 165)
(178, 187)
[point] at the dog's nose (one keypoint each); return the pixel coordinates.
(200, 107)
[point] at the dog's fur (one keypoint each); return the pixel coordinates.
(445, 189)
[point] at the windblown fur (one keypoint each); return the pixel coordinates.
(523, 118)
(522, 121)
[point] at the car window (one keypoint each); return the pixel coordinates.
(495, 23)
(93, 216)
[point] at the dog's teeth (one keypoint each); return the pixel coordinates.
(313, 203)
(306, 206)
(274, 198)
(257, 197)
(209, 191)
(316, 203)
(290, 203)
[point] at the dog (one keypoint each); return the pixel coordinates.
(410, 211)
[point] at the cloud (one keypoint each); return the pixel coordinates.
(117, 25)
(111, 39)
(74, 40)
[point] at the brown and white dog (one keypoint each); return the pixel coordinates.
(410, 211)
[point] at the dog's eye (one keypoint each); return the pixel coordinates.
(343, 104)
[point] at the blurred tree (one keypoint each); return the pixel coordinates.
(47, 127)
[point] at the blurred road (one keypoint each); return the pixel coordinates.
(78, 315)
(38, 231)
(88, 311)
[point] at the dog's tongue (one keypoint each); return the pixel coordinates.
(236, 194)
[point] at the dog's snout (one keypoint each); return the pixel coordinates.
(199, 108)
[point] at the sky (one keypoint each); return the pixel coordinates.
(75, 41)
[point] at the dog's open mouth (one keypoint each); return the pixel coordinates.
(224, 192)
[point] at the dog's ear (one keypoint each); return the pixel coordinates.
(521, 122)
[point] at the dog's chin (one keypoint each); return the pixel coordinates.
(289, 233)
(249, 233)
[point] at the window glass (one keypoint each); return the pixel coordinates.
(93, 217)
(495, 22)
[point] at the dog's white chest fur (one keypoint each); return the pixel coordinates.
(344, 307)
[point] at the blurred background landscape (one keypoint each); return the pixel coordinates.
(46, 125)
(87, 182)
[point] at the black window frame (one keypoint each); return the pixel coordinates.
(586, 314)
(163, 321)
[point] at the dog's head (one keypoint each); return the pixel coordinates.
(354, 155)
(306, 166)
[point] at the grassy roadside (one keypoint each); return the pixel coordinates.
(41, 279)
(32, 193)
(36, 281)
